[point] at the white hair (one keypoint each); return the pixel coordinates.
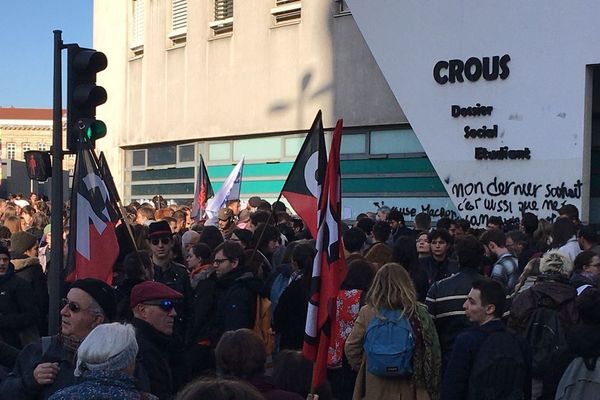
(107, 347)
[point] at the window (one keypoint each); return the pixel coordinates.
(41, 146)
(286, 10)
(26, 147)
(394, 142)
(178, 21)
(138, 27)
(186, 153)
(163, 155)
(354, 144)
(219, 151)
(257, 148)
(11, 151)
(138, 158)
(223, 22)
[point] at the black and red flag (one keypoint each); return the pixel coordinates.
(93, 246)
(202, 192)
(303, 185)
(329, 267)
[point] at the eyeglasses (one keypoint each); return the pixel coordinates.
(220, 261)
(73, 307)
(165, 305)
(164, 240)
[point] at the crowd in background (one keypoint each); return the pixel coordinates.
(186, 315)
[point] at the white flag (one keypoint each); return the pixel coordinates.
(229, 190)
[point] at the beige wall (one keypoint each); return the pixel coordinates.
(260, 79)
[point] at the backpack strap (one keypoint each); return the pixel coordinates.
(46, 342)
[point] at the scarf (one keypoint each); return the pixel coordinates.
(427, 360)
(70, 343)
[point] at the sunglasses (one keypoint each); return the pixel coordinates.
(165, 305)
(73, 307)
(164, 240)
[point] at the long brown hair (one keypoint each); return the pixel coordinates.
(393, 289)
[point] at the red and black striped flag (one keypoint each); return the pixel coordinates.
(93, 246)
(303, 185)
(202, 192)
(329, 267)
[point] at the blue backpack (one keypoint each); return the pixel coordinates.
(389, 344)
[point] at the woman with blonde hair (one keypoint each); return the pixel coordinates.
(393, 294)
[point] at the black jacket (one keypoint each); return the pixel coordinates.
(289, 318)
(153, 359)
(445, 301)
(176, 277)
(200, 326)
(20, 383)
(436, 271)
(29, 268)
(17, 310)
(236, 302)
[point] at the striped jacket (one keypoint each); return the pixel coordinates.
(445, 301)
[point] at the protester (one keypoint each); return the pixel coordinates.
(241, 354)
(105, 365)
(487, 362)
(564, 238)
(354, 243)
(439, 265)
(392, 295)
(153, 306)
(506, 267)
(399, 228)
(226, 222)
(380, 252)
(586, 271)
(47, 365)
(445, 298)
(528, 276)
(423, 244)
(405, 254)
(219, 389)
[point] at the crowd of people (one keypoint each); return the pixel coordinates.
(217, 309)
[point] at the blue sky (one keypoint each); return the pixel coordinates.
(27, 46)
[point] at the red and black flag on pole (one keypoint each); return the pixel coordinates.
(93, 246)
(303, 185)
(202, 192)
(110, 183)
(329, 267)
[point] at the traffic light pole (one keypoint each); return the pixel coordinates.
(56, 197)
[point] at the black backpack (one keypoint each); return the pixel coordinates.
(545, 335)
(499, 371)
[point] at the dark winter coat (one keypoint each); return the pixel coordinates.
(269, 391)
(438, 270)
(103, 385)
(455, 385)
(289, 318)
(153, 359)
(235, 302)
(29, 268)
(17, 310)
(203, 306)
(20, 383)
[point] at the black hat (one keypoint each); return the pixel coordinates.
(159, 229)
(101, 292)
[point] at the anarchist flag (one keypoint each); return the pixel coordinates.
(93, 246)
(302, 187)
(202, 192)
(110, 183)
(329, 266)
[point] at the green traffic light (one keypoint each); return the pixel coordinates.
(96, 130)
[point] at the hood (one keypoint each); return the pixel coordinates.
(584, 340)
(555, 287)
(22, 263)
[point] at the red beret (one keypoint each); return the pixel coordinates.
(150, 290)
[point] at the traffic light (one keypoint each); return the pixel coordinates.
(83, 95)
(39, 167)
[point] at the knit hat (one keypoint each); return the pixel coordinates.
(101, 292)
(150, 290)
(108, 347)
(20, 242)
(555, 262)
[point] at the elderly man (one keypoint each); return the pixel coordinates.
(47, 365)
(153, 306)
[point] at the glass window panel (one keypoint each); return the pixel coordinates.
(219, 151)
(186, 152)
(353, 144)
(257, 149)
(163, 155)
(395, 142)
(292, 146)
(138, 158)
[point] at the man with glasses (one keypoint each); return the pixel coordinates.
(153, 306)
(47, 365)
(237, 289)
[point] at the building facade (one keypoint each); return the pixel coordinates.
(226, 79)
